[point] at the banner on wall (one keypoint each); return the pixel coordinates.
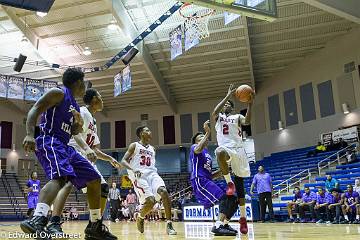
(126, 79)
(117, 84)
(49, 85)
(3, 86)
(15, 88)
(126, 182)
(198, 213)
(176, 42)
(34, 89)
(350, 135)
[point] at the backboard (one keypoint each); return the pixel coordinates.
(261, 9)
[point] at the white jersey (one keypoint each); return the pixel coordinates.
(143, 159)
(89, 133)
(228, 130)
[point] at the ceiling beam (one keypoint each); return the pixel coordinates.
(248, 44)
(348, 9)
(125, 22)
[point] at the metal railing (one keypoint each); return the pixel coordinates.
(289, 183)
(329, 159)
(180, 193)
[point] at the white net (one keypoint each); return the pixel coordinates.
(197, 21)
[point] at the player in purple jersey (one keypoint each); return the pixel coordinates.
(351, 199)
(33, 188)
(206, 191)
(335, 206)
(294, 206)
(59, 121)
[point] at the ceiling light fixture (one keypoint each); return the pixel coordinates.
(112, 25)
(87, 51)
(41, 14)
(345, 108)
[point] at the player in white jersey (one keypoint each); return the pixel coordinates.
(230, 150)
(148, 185)
(87, 143)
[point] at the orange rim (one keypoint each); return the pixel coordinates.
(185, 5)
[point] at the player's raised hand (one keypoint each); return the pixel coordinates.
(251, 100)
(206, 126)
(29, 144)
(231, 90)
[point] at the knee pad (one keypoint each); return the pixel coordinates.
(104, 190)
(228, 206)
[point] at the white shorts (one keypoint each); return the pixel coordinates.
(147, 185)
(238, 161)
(84, 190)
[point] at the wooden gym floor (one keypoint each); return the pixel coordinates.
(191, 230)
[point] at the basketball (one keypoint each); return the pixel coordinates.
(243, 93)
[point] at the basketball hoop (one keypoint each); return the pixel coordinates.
(196, 20)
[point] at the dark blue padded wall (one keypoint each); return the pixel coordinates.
(274, 111)
(291, 115)
(105, 139)
(307, 102)
(186, 129)
(326, 99)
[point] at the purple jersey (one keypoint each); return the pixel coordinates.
(334, 200)
(350, 197)
(306, 198)
(35, 185)
(201, 163)
(57, 120)
(324, 198)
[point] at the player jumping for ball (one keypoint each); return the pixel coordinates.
(230, 150)
(206, 191)
(148, 185)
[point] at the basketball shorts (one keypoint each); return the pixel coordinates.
(60, 160)
(147, 185)
(238, 161)
(103, 181)
(32, 201)
(206, 192)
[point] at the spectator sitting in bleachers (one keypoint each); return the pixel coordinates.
(357, 186)
(341, 144)
(161, 210)
(318, 149)
(124, 209)
(66, 214)
(294, 205)
(74, 214)
(175, 210)
(350, 209)
(350, 157)
(335, 206)
(331, 183)
(154, 214)
(321, 207)
(331, 146)
(307, 203)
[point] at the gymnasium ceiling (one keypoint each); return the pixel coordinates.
(245, 51)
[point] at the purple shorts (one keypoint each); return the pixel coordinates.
(206, 191)
(32, 201)
(60, 160)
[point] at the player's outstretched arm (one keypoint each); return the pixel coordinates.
(127, 157)
(90, 154)
(202, 144)
(105, 157)
(219, 107)
(247, 120)
(48, 100)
